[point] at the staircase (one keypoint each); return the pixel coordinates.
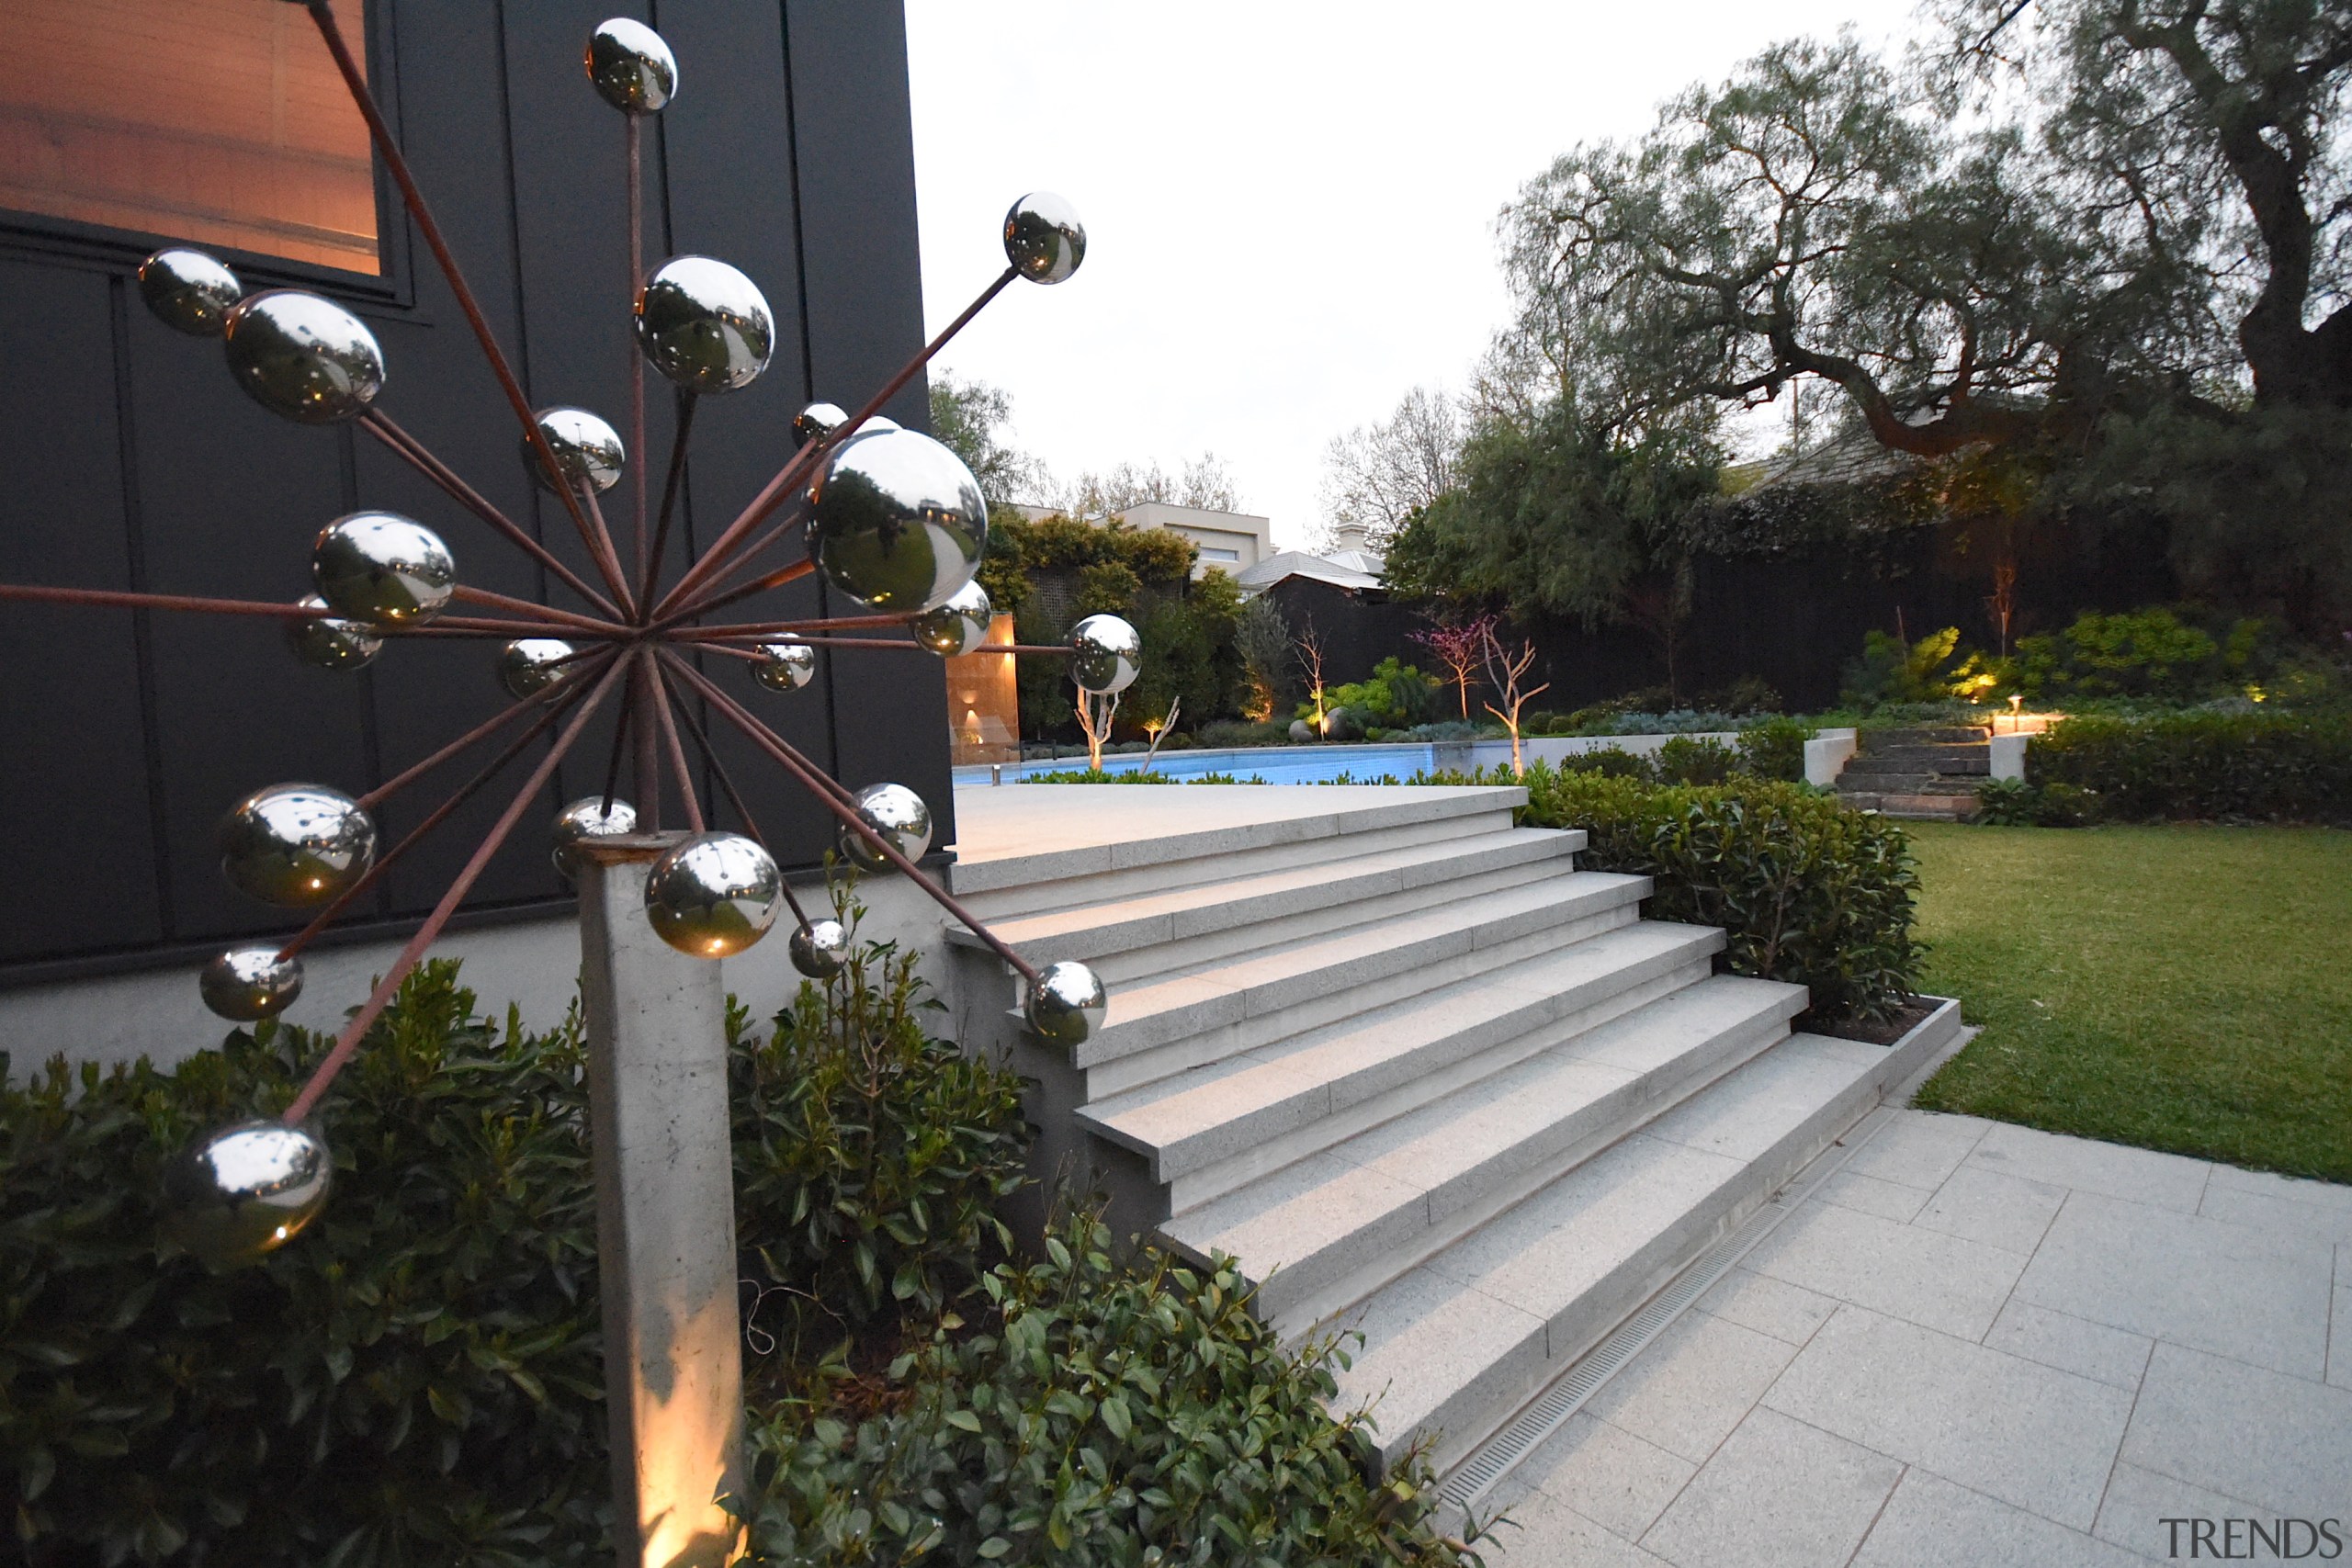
(1926, 773)
(1423, 1078)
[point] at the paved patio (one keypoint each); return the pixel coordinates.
(1979, 1345)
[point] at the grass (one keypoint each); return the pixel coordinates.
(2177, 987)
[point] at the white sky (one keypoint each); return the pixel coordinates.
(1289, 206)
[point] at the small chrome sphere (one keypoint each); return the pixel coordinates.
(302, 356)
(1066, 1004)
(876, 425)
(243, 1190)
(897, 520)
(585, 448)
(529, 665)
(819, 949)
(327, 643)
(1106, 654)
(584, 819)
(818, 421)
(714, 895)
(248, 984)
(898, 815)
(632, 68)
(957, 626)
(704, 325)
(383, 570)
(296, 844)
(1043, 237)
(188, 291)
(785, 666)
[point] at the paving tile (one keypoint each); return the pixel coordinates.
(2139, 1502)
(2339, 1339)
(2270, 1184)
(1938, 1280)
(2007, 1212)
(1767, 1305)
(1868, 1195)
(1917, 1148)
(1544, 1532)
(1606, 1473)
(2071, 1344)
(2259, 1296)
(1686, 1391)
(2141, 1175)
(2279, 1442)
(2278, 1210)
(1931, 1523)
(1779, 1494)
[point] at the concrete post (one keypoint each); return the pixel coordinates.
(2008, 754)
(665, 1220)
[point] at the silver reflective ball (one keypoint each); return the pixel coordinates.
(957, 626)
(188, 291)
(878, 424)
(296, 844)
(704, 325)
(1106, 654)
(785, 666)
(529, 665)
(584, 819)
(820, 948)
(895, 812)
(714, 895)
(243, 1190)
(327, 643)
(585, 448)
(302, 356)
(632, 68)
(897, 520)
(1043, 237)
(818, 421)
(248, 984)
(383, 570)
(1066, 1004)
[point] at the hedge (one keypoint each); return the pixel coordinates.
(2191, 766)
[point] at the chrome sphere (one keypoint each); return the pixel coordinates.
(302, 356)
(632, 68)
(714, 895)
(1043, 238)
(383, 570)
(586, 819)
(1065, 1003)
(897, 520)
(243, 1190)
(818, 421)
(330, 644)
(895, 812)
(1105, 654)
(296, 844)
(188, 291)
(785, 666)
(957, 626)
(704, 325)
(529, 665)
(819, 949)
(248, 984)
(585, 448)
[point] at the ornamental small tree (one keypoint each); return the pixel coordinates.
(1460, 647)
(1506, 667)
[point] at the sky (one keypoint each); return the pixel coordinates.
(1290, 207)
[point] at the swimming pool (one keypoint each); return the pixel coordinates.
(1261, 764)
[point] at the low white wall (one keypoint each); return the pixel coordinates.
(1826, 754)
(2008, 756)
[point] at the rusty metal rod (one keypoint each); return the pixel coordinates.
(484, 596)
(687, 403)
(734, 796)
(554, 693)
(691, 796)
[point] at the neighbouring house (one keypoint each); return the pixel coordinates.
(1230, 542)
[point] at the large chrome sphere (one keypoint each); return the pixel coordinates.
(584, 819)
(296, 844)
(330, 644)
(189, 291)
(704, 325)
(898, 814)
(1106, 654)
(897, 520)
(1043, 237)
(383, 570)
(305, 357)
(714, 895)
(1065, 1003)
(819, 949)
(957, 626)
(530, 665)
(248, 984)
(585, 448)
(818, 421)
(632, 68)
(243, 1190)
(785, 666)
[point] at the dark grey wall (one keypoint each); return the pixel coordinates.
(128, 459)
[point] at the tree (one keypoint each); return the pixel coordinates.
(1261, 638)
(1204, 482)
(1460, 647)
(1378, 475)
(1506, 667)
(968, 418)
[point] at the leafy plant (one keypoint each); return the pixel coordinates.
(2263, 767)
(1774, 749)
(1891, 670)
(1695, 759)
(1609, 762)
(2014, 803)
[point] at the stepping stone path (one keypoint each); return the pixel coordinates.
(1931, 774)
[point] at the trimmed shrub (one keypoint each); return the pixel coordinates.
(2013, 803)
(1609, 762)
(1695, 761)
(2258, 767)
(1775, 749)
(1243, 733)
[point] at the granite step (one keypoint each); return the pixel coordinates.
(1924, 760)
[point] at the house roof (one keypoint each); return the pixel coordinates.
(1344, 569)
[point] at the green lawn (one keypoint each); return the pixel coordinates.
(2179, 988)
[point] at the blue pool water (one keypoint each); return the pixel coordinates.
(1269, 764)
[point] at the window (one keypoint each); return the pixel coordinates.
(1210, 552)
(222, 122)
